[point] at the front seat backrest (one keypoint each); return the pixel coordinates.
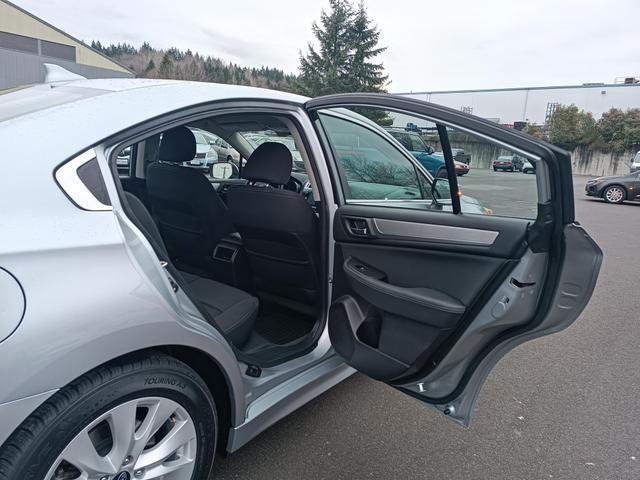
(278, 227)
(191, 216)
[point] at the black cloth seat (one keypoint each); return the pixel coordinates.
(190, 214)
(278, 227)
(231, 310)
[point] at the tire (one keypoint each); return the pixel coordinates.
(145, 389)
(495, 169)
(614, 194)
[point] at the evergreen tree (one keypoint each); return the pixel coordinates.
(166, 69)
(148, 62)
(326, 70)
(345, 58)
(364, 74)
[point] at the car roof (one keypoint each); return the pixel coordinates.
(85, 112)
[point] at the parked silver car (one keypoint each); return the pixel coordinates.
(148, 319)
(226, 153)
(205, 155)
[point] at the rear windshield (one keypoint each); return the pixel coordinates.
(21, 101)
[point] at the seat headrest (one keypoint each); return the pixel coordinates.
(178, 145)
(271, 163)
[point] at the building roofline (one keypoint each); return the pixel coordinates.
(511, 89)
(66, 35)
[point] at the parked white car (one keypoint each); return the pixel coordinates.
(206, 155)
(635, 163)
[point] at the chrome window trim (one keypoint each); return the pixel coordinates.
(434, 232)
(67, 177)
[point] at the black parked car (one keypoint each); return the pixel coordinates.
(510, 163)
(615, 189)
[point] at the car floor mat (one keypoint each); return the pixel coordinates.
(283, 326)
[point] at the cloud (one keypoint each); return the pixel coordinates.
(431, 45)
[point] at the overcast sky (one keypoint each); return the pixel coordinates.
(432, 45)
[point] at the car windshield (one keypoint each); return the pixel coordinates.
(418, 144)
(256, 138)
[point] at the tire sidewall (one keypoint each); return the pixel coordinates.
(173, 383)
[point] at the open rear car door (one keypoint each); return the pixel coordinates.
(429, 302)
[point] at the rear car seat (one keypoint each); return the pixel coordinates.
(229, 309)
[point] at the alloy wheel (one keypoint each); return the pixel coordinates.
(614, 194)
(145, 438)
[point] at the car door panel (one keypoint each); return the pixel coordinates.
(454, 384)
(421, 268)
(402, 296)
(486, 235)
(429, 300)
(422, 304)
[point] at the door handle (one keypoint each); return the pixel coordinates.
(359, 227)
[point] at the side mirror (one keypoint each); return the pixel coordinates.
(440, 189)
(224, 171)
(430, 150)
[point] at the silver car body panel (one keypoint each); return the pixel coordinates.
(105, 294)
(292, 394)
(575, 286)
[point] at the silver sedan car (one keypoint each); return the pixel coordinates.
(151, 315)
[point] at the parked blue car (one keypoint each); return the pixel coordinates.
(413, 142)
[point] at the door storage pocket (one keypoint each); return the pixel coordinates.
(355, 336)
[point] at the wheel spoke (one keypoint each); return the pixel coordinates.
(82, 454)
(122, 421)
(176, 469)
(158, 414)
(182, 433)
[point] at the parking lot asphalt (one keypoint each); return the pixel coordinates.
(512, 194)
(561, 407)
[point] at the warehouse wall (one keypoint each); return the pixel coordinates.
(14, 20)
(20, 68)
(584, 161)
(530, 104)
(599, 164)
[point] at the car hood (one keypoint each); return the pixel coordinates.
(608, 178)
